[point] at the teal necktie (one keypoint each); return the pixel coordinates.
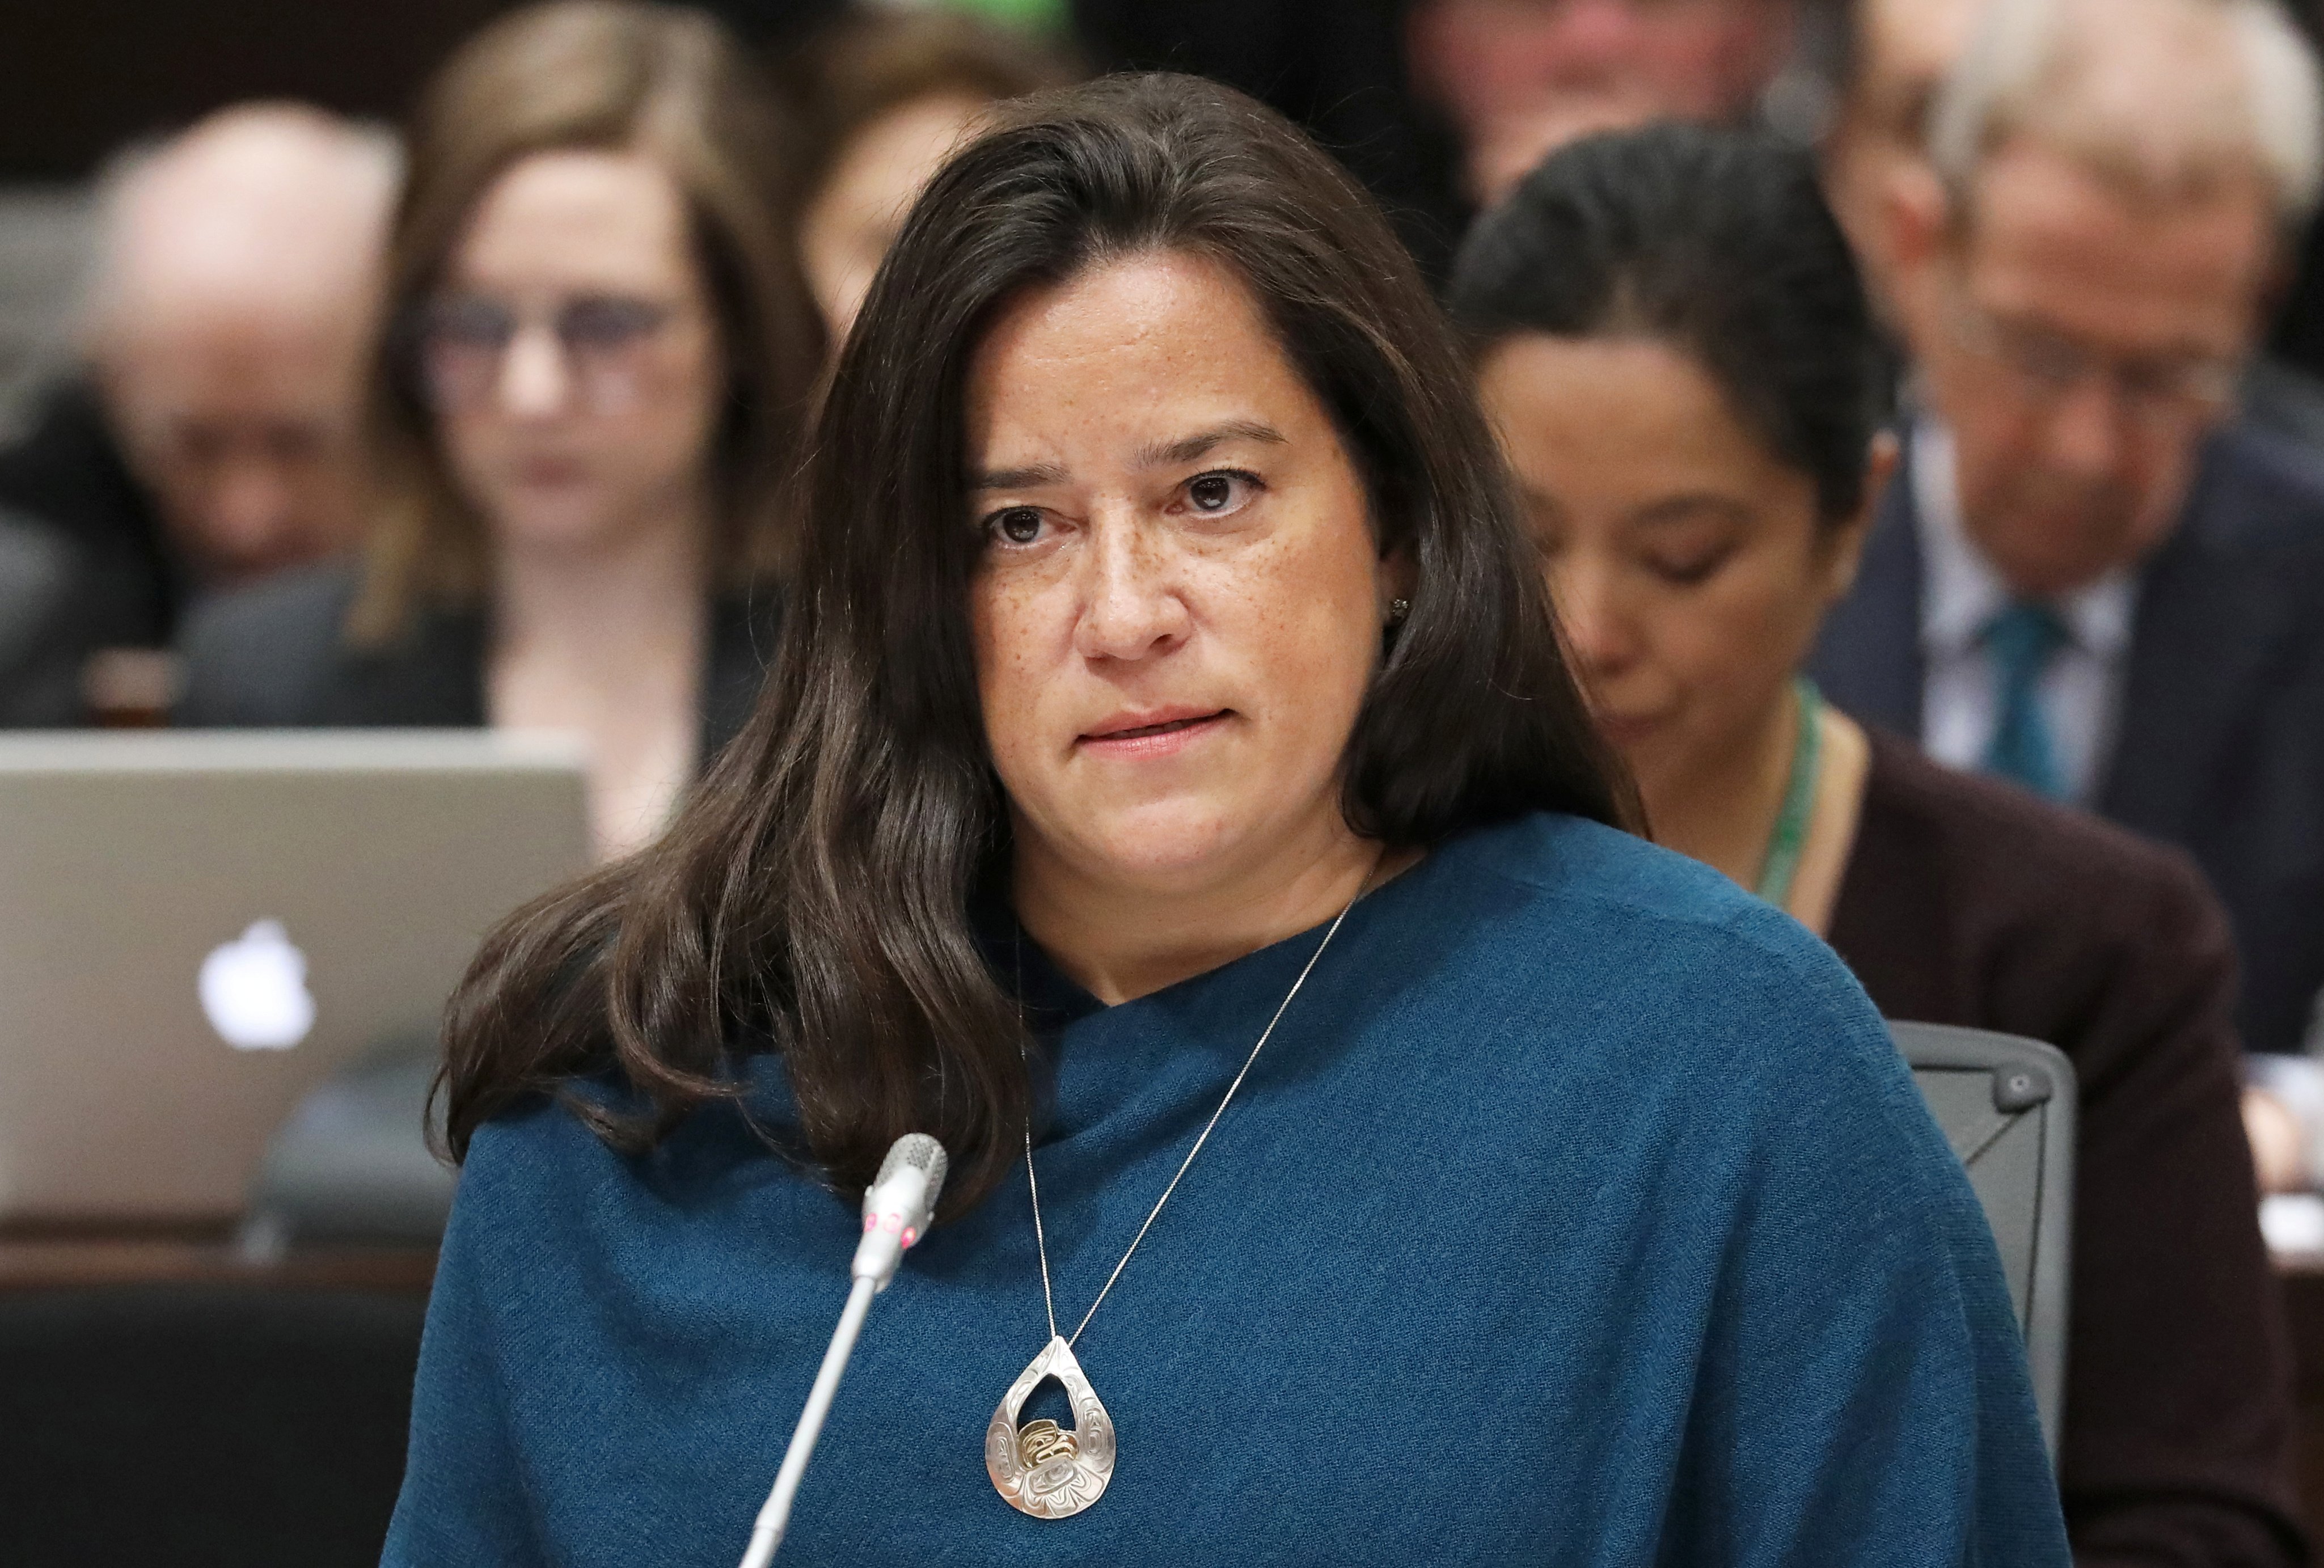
(2021, 641)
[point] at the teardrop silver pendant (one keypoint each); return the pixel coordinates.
(1040, 1469)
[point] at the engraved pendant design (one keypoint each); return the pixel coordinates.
(1041, 1469)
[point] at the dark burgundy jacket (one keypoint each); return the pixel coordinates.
(1967, 901)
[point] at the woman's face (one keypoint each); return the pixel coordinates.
(855, 216)
(1686, 560)
(1180, 602)
(572, 356)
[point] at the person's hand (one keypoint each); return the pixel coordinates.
(2279, 1144)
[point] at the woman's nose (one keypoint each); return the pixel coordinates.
(1133, 603)
(1590, 612)
(535, 379)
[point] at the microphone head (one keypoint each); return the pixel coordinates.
(913, 1151)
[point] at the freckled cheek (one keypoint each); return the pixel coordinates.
(1008, 630)
(1307, 622)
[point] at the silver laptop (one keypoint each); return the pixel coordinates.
(196, 929)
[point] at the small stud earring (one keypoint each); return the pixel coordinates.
(1398, 609)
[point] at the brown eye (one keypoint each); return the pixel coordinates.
(1222, 493)
(1019, 524)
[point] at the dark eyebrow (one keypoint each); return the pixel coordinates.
(1161, 454)
(1189, 448)
(1026, 478)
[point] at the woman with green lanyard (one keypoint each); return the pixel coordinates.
(1671, 336)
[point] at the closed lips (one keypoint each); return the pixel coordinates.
(1140, 728)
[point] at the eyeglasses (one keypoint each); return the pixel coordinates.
(605, 339)
(2158, 390)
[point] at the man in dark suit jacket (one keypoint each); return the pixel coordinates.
(36, 576)
(2089, 575)
(2221, 743)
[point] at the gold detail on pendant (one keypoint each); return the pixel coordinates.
(1044, 1441)
(1043, 1470)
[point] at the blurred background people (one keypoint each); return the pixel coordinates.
(886, 96)
(1518, 78)
(1674, 347)
(41, 666)
(1894, 55)
(1336, 67)
(2091, 576)
(1440, 104)
(600, 360)
(214, 438)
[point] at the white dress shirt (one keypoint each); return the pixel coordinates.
(2081, 693)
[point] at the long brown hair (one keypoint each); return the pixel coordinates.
(614, 75)
(815, 896)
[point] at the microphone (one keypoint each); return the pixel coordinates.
(897, 1208)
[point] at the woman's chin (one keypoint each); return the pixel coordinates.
(1175, 846)
(557, 520)
(531, 526)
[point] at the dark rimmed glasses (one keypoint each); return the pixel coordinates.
(605, 341)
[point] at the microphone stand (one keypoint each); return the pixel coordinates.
(897, 1207)
(767, 1533)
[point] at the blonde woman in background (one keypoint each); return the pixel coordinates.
(600, 356)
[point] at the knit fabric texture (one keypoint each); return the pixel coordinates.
(1579, 1211)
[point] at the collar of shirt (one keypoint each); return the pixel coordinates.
(1963, 592)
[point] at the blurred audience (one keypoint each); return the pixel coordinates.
(600, 359)
(2091, 576)
(1518, 78)
(1440, 104)
(1895, 54)
(40, 667)
(214, 438)
(887, 96)
(1337, 70)
(1673, 343)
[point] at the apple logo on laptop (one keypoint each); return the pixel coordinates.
(254, 990)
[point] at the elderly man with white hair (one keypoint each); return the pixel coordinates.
(215, 436)
(2093, 575)
(1892, 56)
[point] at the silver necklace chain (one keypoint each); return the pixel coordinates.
(1033, 1185)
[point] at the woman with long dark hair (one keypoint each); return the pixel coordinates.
(1170, 794)
(1672, 339)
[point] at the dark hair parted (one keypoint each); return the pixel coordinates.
(1716, 242)
(814, 896)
